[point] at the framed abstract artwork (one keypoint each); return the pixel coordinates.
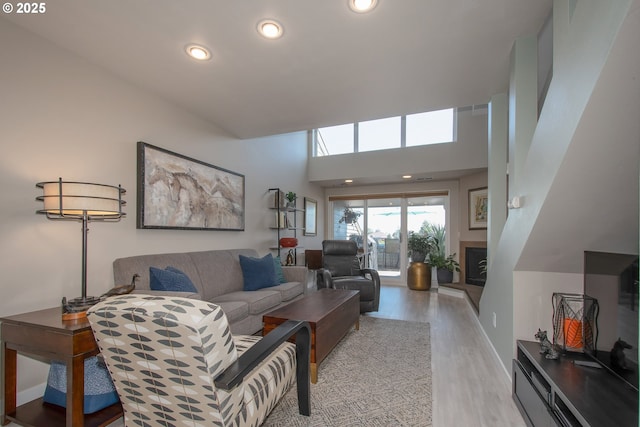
(178, 192)
(478, 208)
(310, 217)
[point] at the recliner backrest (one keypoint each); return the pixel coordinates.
(340, 257)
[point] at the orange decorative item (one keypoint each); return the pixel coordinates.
(288, 242)
(573, 333)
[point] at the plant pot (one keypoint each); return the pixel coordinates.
(444, 275)
(419, 276)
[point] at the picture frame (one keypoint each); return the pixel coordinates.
(478, 208)
(310, 217)
(181, 193)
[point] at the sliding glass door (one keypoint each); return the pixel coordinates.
(383, 222)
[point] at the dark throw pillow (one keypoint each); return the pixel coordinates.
(258, 273)
(170, 279)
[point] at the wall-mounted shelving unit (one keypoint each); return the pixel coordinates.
(286, 223)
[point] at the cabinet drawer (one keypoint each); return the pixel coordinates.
(533, 405)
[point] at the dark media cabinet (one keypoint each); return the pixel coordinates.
(552, 393)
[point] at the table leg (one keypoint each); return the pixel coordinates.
(10, 366)
(358, 324)
(75, 391)
(314, 373)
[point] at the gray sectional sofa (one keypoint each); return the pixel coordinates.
(218, 277)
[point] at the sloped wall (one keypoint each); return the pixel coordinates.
(587, 84)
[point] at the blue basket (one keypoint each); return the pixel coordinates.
(99, 391)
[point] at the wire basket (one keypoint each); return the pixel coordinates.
(575, 322)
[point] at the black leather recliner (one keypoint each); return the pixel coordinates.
(341, 270)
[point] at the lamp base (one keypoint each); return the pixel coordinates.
(77, 308)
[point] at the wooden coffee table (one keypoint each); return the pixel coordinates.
(330, 313)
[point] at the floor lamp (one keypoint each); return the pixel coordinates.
(84, 202)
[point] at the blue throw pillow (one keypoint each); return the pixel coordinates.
(170, 279)
(279, 273)
(258, 273)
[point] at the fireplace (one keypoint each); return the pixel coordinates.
(473, 256)
(471, 253)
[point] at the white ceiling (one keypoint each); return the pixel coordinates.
(332, 66)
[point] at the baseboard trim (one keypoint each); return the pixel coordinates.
(506, 371)
(458, 293)
(28, 395)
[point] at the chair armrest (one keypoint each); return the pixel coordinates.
(238, 370)
(295, 273)
(325, 280)
(375, 277)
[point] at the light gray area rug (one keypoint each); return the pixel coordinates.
(377, 376)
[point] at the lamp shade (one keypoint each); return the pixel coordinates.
(74, 199)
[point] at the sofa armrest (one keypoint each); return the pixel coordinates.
(238, 370)
(295, 273)
(190, 295)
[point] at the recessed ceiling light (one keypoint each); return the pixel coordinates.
(198, 52)
(348, 181)
(406, 176)
(270, 29)
(362, 6)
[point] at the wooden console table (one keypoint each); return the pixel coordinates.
(45, 336)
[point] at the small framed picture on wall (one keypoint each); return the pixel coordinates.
(478, 208)
(310, 217)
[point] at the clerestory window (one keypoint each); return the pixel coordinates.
(433, 127)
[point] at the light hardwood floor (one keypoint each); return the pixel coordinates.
(470, 387)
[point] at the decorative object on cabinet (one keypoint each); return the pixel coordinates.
(478, 208)
(575, 322)
(178, 192)
(83, 202)
(288, 242)
(290, 258)
(310, 217)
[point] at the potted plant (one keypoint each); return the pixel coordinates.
(291, 199)
(419, 246)
(445, 266)
(349, 216)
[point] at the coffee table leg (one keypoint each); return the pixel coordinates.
(314, 373)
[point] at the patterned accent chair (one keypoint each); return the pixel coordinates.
(174, 361)
(341, 270)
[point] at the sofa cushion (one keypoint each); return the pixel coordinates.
(234, 310)
(289, 290)
(258, 273)
(170, 279)
(259, 301)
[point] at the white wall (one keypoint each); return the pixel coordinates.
(60, 116)
(592, 94)
(537, 288)
(467, 153)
